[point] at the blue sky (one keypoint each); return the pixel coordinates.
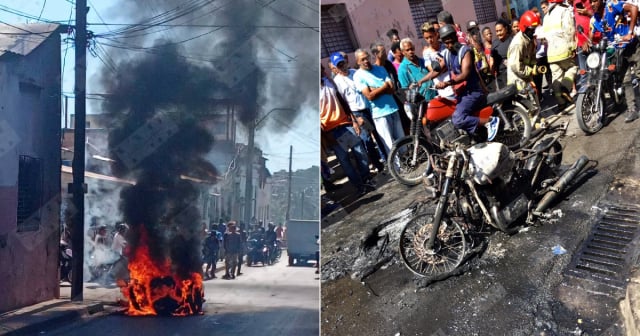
(304, 136)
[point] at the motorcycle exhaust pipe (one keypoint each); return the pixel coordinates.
(562, 183)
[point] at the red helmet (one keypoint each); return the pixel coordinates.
(556, 1)
(529, 19)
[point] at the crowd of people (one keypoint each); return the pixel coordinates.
(229, 242)
(361, 108)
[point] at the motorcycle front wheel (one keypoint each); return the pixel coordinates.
(588, 113)
(519, 133)
(400, 161)
(447, 253)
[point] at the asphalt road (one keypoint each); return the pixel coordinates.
(515, 287)
(271, 300)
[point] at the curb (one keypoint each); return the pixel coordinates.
(48, 319)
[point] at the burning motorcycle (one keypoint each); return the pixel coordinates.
(479, 185)
(602, 90)
(408, 160)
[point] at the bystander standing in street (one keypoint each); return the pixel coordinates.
(232, 247)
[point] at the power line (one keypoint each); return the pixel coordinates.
(42, 10)
(204, 26)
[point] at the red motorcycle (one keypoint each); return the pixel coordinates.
(431, 127)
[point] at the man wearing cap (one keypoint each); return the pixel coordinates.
(359, 106)
(340, 131)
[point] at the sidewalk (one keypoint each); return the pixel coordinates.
(98, 300)
(32, 320)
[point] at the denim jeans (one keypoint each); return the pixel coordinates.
(360, 154)
(375, 154)
(582, 64)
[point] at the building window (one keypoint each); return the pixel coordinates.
(424, 10)
(485, 11)
(29, 193)
(336, 30)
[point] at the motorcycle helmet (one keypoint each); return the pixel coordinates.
(447, 31)
(529, 19)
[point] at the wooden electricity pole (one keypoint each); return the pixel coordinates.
(288, 216)
(77, 235)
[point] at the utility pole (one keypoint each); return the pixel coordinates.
(288, 216)
(77, 238)
(302, 204)
(248, 188)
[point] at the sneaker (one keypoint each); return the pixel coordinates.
(492, 128)
(631, 116)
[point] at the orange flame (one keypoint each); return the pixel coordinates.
(152, 286)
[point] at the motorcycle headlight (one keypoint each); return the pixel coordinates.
(593, 60)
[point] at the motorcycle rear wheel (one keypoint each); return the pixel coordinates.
(447, 254)
(587, 114)
(520, 134)
(399, 161)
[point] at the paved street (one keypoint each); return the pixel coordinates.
(272, 300)
(517, 286)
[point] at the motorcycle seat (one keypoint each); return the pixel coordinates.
(502, 94)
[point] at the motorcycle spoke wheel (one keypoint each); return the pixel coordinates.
(401, 165)
(588, 113)
(447, 254)
(520, 131)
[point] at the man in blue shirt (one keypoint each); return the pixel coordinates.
(611, 20)
(412, 70)
(375, 84)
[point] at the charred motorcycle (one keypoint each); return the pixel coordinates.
(408, 160)
(479, 185)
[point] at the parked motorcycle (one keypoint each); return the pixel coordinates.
(479, 185)
(66, 264)
(431, 124)
(601, 93)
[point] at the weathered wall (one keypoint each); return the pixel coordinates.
(371, 19)
(30, 109)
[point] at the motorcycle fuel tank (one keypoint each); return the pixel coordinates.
(439, 108)
(489, 160)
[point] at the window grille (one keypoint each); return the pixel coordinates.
(424, 10)
(485, 11)
(336, 30)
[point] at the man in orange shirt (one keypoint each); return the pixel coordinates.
(342, 130)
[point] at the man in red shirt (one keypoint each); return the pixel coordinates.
(582, 12)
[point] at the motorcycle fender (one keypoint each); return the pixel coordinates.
(539, 147)
(584, 84)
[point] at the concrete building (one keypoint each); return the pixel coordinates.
(347, 25)
(30, 112)
(226, 199)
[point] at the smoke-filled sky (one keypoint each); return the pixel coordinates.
(286, 57)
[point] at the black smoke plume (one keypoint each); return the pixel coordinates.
(162, 86)
(172, 75)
